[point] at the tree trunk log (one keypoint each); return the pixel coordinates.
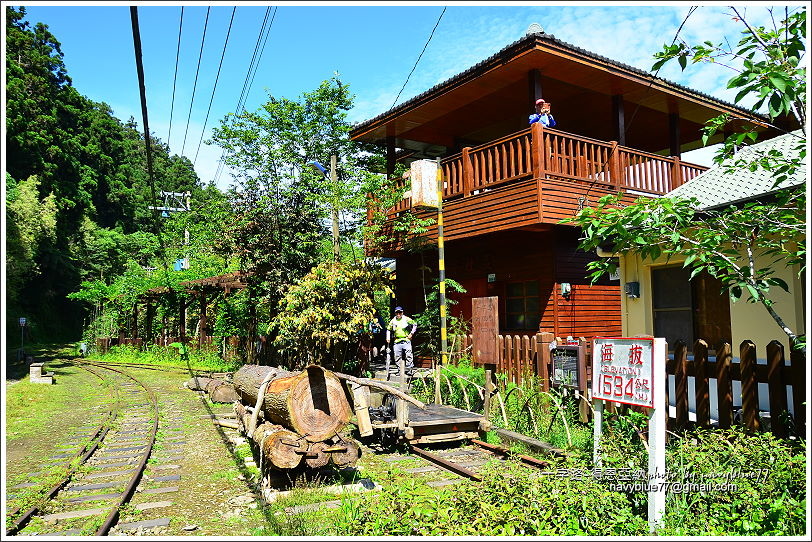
(316, 457)
(224, 393)
(198, 383)
(282, 448)
(345, 458)
(312, 403)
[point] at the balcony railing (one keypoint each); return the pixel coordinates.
(544, 153)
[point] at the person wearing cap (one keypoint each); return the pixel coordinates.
(401, 329)
(543, 114)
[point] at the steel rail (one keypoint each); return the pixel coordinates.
(113, 516)
(446, 464)
(526, 459)
(82, 455)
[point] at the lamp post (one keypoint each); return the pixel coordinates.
(333, 176)
(441, 266)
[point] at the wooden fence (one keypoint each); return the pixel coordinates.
(523, 356)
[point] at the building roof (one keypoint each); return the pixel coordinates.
(542, 37)
(716, 187)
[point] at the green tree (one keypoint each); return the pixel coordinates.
(29, 221)
(323, 314)
(728, 243)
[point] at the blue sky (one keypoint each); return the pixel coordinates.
(373, 46)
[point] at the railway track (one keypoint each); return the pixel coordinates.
(464, 461)
(102, 470)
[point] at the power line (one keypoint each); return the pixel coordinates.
(175, 79)
(213, 90)
(418, 58)
(197, 72)
(221, 162)
(259, 59)
(253, 65)
(139, 65)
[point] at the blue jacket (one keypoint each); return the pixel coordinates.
(546, 119)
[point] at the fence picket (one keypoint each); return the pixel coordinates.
(749, 385)
(778, 391)
(799, 375)
(701, 383)
(681, 383)
(724, 359)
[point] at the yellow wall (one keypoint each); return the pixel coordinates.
(747, 320)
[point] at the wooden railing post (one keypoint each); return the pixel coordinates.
(778, 391)
(538, 154)
(614, 165)
(747, 353)
(676, 174)
(467, 172)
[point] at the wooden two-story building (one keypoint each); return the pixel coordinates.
(507, 185)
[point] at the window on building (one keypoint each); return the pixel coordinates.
(689, 309)
(522, 305)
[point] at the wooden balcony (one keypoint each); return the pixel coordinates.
(541, 175)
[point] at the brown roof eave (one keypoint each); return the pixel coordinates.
(548, 42)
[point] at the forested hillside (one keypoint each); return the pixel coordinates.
(84, 249)
(77, 192)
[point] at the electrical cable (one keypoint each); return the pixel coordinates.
(175, 78)
(253, 65)
(213, 90)
(259, 59)
(418, 58)
(147, 143)
(197, 72)
(221, 161)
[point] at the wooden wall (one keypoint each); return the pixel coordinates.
(550, 257)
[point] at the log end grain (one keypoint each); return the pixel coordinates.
(224, 393)
(316, 456)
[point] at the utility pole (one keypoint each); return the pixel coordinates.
(334, 180)
(177, 202)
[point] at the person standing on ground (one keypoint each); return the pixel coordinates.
(401, 329)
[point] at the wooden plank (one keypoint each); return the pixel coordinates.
(778, 391)
(749, 386)
(724, 358)
(701, 383)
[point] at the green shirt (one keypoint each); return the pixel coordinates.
(399, 328)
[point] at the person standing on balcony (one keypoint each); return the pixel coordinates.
(401, 329)
(543, 114)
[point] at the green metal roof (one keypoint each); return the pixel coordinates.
(716, 187)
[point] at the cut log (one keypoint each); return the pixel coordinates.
(224, 393)
(282, 448)
(198, 383)
(212, 385)
(316, 457)
(312, 403)
(346, 454)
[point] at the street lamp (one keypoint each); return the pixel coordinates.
(334, 180)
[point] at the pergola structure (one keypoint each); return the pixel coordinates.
(200, 288)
